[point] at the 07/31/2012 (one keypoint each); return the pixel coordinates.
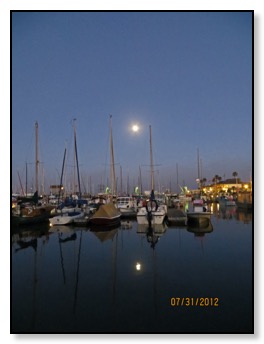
(194, 301)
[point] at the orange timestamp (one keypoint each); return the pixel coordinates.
(194, 301)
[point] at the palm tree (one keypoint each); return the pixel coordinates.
(216, 179)
(235, 174)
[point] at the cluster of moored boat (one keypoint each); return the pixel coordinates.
(104, 212)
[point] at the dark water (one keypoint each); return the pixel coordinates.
(74, 280)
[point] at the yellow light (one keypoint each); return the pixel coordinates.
(138, 266)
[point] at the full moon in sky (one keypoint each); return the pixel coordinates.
(135, 128)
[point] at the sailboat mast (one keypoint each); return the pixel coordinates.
(177, 176)
(21, 186)
(151, 160)
(113, 177)
(26, 179)
(36, 158)
(140, 181)
(121, 180)
(198, 163)
(62, 170)
(77, 163)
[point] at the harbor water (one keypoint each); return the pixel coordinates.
(132, 280)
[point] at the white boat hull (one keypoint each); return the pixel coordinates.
(65, 219)
(157, 217)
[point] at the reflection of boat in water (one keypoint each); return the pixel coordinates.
(226, 201)
(244, 215)
(104, 235)
(23, 244)
(200, 230)
(126, 224)
(159, 229)
(65, 233)
(227, 213)
(152, 234)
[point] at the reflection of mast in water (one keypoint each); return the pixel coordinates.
(35, 280)
(77, 274)
(199, 232)
(114, 268)
(154, 267)
(72, 237)
(152, 238)
(62, 265)
(104, 235)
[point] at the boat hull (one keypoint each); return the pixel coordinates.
(156, 217)
(31, 215)
(27, 220)
(105, 221)
(65, 219)
(106, 215)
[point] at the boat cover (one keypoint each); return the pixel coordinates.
(107, 211)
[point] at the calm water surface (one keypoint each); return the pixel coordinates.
(73, 280)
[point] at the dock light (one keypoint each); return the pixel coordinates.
(138, 266)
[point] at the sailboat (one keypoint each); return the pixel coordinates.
(152, 213)
(108, 214)
(28, 210)
(65, 218)
(200, 216)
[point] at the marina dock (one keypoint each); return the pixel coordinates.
(174, 217)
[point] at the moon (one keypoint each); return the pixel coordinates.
(135, 128)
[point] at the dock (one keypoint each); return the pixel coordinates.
(176, 216)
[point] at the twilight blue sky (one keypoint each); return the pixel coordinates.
(187, 74)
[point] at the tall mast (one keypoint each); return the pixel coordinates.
(76, 157)
(26, 179)
(21, 186)
(112, 175)
(36, 158)
(61, 178)
(121, 180)
(140, 181)
(177, 175)
(198, 163)
(151, 160)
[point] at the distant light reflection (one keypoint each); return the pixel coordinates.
(138, 266)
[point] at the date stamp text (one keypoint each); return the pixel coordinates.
(194, 301)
